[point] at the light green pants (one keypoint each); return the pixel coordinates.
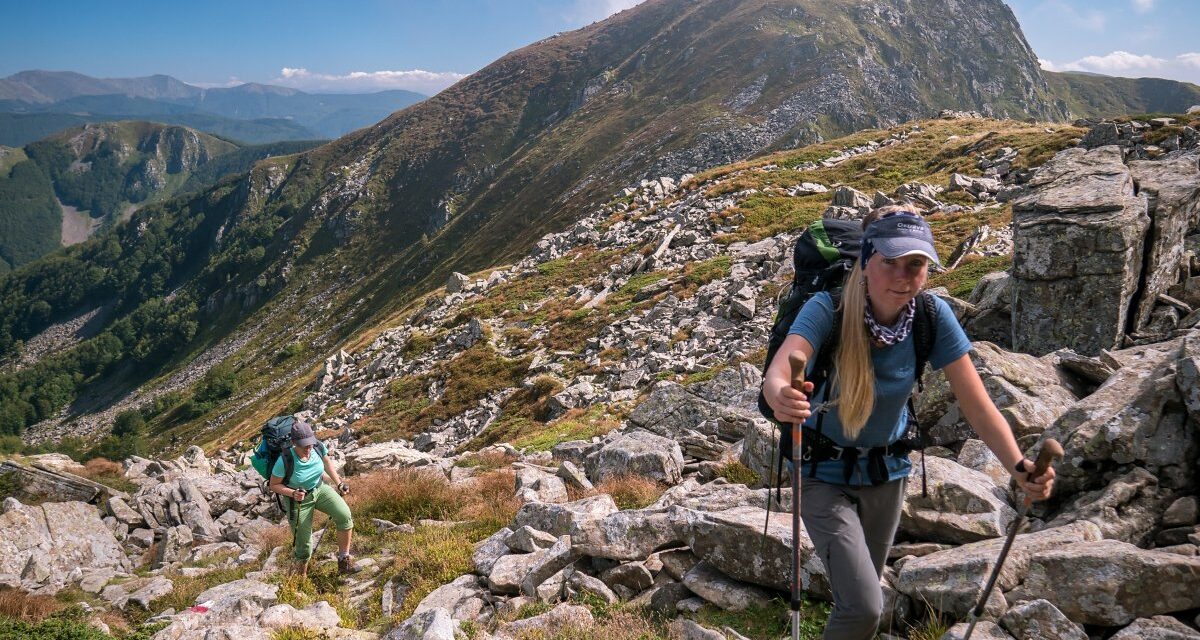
(326, 500)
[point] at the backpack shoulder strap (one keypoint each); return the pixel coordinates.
(289, 465)
(824, 363)
(924, 332)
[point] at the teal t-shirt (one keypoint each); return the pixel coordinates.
(306, 474)
(895, 375)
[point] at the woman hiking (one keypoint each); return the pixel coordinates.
(853, 465)
(309, 488)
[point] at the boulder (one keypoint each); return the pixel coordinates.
(573, 477)
(317, 616)
(431, 624)
(976, 455)
(721, 538)
(640, 453)
(464, 598)
(456, 282)
(952, 580)
(1040, 620)
(548, 563)
(508, 572)
(1078, 237)
(256, 591)
(984, 630)
(706, 581)
(1030, 392)
(553, 623)
(488, 551)
(1113, 583)
(626, 535)
(718, 495)
(53, 538)
(140, 591)
(1181, 513)
(1173, 204)
(1127, 509)
(844, 196)
(633, 576)
(565, 519)
(1157, 628)
(580, 582)
(1135, 418)
(671, 409)
(963, 505)
(535, 485)
(385, 455)
(527, 540)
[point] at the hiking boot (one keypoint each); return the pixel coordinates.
(346, 565)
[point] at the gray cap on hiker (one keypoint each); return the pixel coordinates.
(901, 234)
(302, 434)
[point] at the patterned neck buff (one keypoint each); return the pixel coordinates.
(887, 336)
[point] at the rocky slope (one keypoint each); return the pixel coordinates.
(628, 345)
(474, 176)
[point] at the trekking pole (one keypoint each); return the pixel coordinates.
(799, 363)
(1051, 450)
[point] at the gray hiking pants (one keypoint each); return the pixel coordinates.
(852, 529)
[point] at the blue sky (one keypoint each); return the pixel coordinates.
(425, 45)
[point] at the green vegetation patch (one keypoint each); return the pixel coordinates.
(768, 622)
(766, 215)
(961, 281)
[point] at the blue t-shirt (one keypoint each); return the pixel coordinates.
(895, 375)
(306, 474)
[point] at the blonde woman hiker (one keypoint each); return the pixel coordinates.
(853, 462)
(305, 477)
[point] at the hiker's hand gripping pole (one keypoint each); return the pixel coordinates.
(1051, 451)
(799, 363)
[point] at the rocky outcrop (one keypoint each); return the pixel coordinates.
(1078, 251)
(41, 545)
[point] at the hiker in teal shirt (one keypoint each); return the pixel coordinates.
(307, 490)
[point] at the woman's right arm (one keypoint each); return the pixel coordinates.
(277, 486)
(789, 404)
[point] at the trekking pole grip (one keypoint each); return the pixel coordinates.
(798, 362)
(1051, 451)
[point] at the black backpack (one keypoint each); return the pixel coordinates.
(822, 257)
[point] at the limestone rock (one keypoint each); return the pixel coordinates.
(720, 538)
(709, 583)
(1040, 620)
(464, 598)
(963, 505)
(385, 455)
(1078, 238)
(1127, 509)
(488, 551)
(1030, 392)
(1113, 583)
(432, 624)
(638, 453)
(952, 580)
(626, 535)
(565, 519)
(1173, 190)
(1157, 628)
(549, 624)
(1132, 418)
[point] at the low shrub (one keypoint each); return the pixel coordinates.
(632, 491)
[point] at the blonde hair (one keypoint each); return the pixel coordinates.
(853, 384)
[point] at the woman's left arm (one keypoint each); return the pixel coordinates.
(993, 429)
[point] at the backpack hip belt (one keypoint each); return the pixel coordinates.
(816, 448)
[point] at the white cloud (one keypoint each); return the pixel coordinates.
(426, 82)
(588, 11)
(1142, 6)
(1048, 65)
(1117, 63)
(1190, 59)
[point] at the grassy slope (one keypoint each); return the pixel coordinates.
(1104, 96)
(930, 155)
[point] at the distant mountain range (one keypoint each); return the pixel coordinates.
(34, 104)
(62, 189)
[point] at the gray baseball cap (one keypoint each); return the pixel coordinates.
(901, 234)
(302, 434)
